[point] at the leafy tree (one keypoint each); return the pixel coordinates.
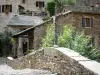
(51, 8)
(48, 39)
(73, 39)
(5, 43)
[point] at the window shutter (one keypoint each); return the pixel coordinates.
(10, 8)
(91, 22)
(2, 8)
(36, 3)
(43, 4)
(83, 22)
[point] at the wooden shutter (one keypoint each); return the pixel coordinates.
(91, 22)
(2, 8)
(83, 22)
(36, 3)
(10, 8)
(43, 4)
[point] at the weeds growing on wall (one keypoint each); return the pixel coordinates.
(75, 40)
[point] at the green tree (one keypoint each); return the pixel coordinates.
(5, 43)
(73, 39)
(48, 39)
(51, 8)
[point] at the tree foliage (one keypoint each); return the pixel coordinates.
(73, 39)
(5, 43)
(51, 8)
(48, 39)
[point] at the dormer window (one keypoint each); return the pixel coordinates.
(23, 1)
(40, 4)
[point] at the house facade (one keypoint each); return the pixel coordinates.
(85, 15)
(36, 7)
(9, 8)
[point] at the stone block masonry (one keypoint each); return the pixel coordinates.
(57, 60)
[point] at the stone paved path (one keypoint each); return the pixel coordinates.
(7, 70)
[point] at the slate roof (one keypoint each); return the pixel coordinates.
(84, 9)
(21, 20)
(29, 29)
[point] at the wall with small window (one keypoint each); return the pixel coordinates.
(87, 22)
(40, 4)
(9, 6)
(36, 6)
(6, 8)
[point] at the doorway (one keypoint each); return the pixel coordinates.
(24, 48)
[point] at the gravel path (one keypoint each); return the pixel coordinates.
(7, 70)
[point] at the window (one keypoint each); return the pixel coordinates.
(87, 22)
(40, 4)
(6, 8)
(24, 1)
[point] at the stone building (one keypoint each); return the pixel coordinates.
(30, 38)
(9, 8)
(85, 15)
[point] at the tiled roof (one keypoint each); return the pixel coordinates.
(21, 20)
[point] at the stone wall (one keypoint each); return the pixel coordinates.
(53, 60)
(39, 33)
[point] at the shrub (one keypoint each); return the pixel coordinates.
(73, 39)
(5, 43)
(48, 39)
(51, 8)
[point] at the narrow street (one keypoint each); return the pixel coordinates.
(7, 70)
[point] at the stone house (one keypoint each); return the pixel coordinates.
(30, 38)
(9, 8)
(84, 16)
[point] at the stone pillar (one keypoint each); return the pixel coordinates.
(27, 44)
(20, 48)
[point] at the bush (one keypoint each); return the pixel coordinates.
(5, 43)
(51, 8)
(48, 39)
(73, 39)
